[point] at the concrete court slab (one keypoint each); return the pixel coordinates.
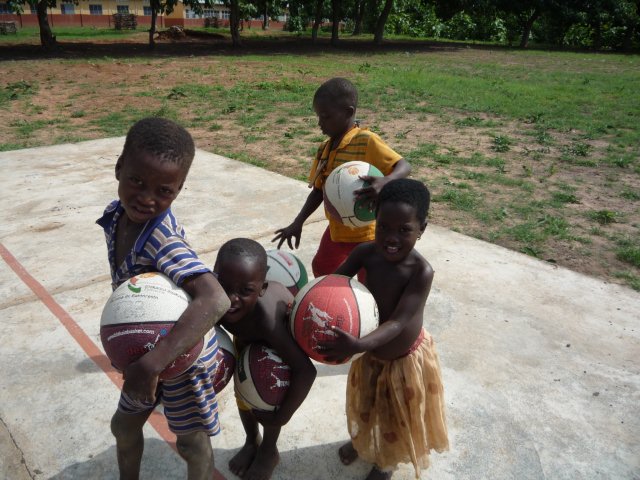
(540, 363)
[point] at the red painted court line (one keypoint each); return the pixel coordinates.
(157, 420)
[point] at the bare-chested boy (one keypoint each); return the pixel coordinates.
(258, 313)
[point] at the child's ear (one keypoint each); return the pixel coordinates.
(118, 167)
(351, 111)
(264, 288)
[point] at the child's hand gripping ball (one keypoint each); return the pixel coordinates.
(138, 314)
(331, 301)
(339, 199)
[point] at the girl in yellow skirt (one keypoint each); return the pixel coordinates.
(395, 398)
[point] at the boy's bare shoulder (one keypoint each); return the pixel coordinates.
(277, 292)
(421, 265)
(365, 248)
(274, 304)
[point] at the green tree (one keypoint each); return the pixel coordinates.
(358, 16)
(317, 20)
(526, 13)
(234, 22)
(303, 12)
(167, 6)
(47, 38)
(382, 20)
(268, 9)
(336, 17)
(613, 23)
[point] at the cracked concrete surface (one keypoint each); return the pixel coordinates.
(12, 463)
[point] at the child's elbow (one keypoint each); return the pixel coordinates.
(221, 305)
(209, 291)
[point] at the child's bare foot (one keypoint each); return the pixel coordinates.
(241, 461)
(347, 453)
(263, 464)
(377, 474)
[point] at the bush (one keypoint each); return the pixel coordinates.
(296, 24)
(460, 27)
(417, 21)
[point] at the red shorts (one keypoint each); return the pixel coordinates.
(330, 256)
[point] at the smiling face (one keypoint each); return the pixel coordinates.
(397, 230)
(243, 280)
(334, 120)
(146, 185)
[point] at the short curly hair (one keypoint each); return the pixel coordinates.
(338, 91)
(409, 191)
(163, 138)
(244, 248)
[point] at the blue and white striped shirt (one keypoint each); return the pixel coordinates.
(160, 247)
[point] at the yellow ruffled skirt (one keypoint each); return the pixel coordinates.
(395, 408)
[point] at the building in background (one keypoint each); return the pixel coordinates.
(99, 13)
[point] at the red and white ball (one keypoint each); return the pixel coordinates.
(338, 196)
(331, 301)
(138, 314)
(286, 268)
(225, 361)
(261, 378)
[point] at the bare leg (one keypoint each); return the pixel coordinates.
(347, 453)
(195, 449)
(129, 442)
(267, 456)
(243, 459)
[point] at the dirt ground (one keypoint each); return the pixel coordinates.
(84, 91)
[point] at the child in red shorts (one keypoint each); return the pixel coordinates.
(335, 105)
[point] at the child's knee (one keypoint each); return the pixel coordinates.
(123, 429)
(194, 445)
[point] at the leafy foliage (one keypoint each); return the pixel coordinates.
(597, 24)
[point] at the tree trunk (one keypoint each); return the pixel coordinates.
(526, 31)
(382, 20)
(357, 26)
(47, 38)
(234, 23)
(152, 28)
(335, 15)
(627, 41)
(597, 35)
(265, 17)
(316, 21)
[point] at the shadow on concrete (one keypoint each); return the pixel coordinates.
(317, 462)
(158, 461)
(88, 365)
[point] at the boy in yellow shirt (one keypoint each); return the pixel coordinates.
(335, 104)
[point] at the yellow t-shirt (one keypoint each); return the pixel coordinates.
(358, 144)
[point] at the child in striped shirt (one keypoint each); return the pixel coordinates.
(143, 236)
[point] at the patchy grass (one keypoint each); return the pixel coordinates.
(535, 151)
